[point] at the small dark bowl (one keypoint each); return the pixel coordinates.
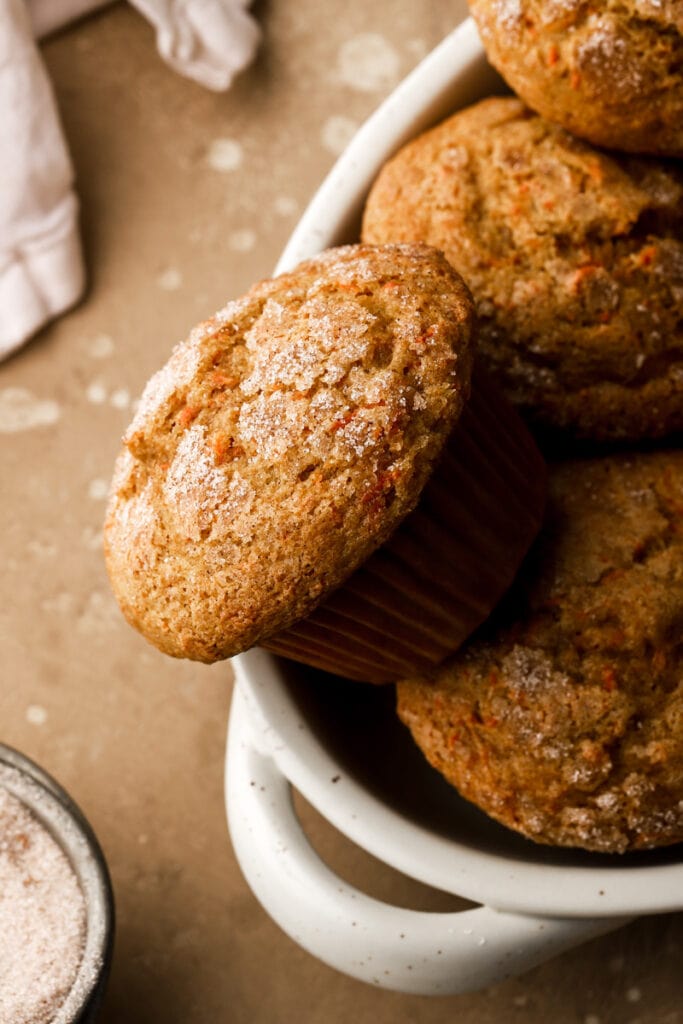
(57, 812)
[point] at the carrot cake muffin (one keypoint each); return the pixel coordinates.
(611, 72)
(563, 717)
(574, 258)
(284, 442)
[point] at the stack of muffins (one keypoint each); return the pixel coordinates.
(563, 717)
(344, 465)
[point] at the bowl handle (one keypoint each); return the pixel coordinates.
(403, 950)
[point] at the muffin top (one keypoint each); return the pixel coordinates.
(574, 258)
(563, 717)
(283, 442)
(610, 72)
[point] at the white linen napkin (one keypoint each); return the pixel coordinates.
(41, 264)
(208, 40)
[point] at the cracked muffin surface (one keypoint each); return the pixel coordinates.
(283, 442)
(611, 73)
(563, 717)
(574, 258)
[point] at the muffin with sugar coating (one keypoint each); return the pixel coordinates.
(283, 444)
(563, 716)
(574, 258)
(611, 72)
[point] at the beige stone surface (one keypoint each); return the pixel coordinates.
(138, 739)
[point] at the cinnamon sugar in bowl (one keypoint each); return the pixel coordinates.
(56, 906)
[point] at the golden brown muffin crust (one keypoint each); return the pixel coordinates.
(574, 258)
(611, 72)
(283, 442)
(563, 718)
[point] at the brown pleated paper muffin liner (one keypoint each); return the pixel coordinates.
(445, 567)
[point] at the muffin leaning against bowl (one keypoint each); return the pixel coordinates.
(563, 717)
(611, 73)
(574, 258)
(274, 457)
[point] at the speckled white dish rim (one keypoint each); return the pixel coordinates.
(540, 907)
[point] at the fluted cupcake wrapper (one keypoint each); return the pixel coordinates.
(445, 567)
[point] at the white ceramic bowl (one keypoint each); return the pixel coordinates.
(341, 745)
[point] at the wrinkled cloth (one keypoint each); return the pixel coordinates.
(41, 263)
(207, 40)
(49, 15)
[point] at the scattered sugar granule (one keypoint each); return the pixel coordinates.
(170, 279)
(225, 155)
(96, 393)
(36, 714)
(100, 614)
(42, 911)
(336, 133)
(120, 398)
(243, 240)
(368, 63)
(98, 489)
(101, 346)
(285, 206)
(41, 548)
(22, 410)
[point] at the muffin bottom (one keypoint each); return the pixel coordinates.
(420, 595)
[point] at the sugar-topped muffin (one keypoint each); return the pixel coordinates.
(282, 444)
(563, 716)
(574, 258)
(611, 72)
